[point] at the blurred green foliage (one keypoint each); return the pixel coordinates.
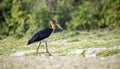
(93, 14)
(29, 16)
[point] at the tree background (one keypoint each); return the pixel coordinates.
(29, 16)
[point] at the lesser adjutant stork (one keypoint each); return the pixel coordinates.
(43, 35)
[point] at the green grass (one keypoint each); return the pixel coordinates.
(63, 42)
(108, 52)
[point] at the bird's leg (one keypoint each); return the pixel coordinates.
(47, 48)
(38, 48)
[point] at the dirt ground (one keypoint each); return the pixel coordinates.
(59, 62)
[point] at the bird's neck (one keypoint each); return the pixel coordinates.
(53, 26)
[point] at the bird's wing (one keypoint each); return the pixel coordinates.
(42, 34)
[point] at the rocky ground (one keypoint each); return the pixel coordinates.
(86, 52)
(59, 62)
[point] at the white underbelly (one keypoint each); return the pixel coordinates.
(44, 40)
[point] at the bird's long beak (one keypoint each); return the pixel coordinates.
(59, 26)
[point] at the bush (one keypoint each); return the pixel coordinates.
(97, 14)
(28, 16)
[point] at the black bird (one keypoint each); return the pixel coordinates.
(42, 35)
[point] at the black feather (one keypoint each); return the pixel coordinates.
(40, 35)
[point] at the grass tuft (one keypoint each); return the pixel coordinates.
(107, 53)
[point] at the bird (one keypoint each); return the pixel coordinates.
(43, 35)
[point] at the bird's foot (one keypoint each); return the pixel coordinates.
(49, 54)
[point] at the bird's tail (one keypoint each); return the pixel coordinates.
(29, 42)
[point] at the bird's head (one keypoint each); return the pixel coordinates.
(54, 23)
